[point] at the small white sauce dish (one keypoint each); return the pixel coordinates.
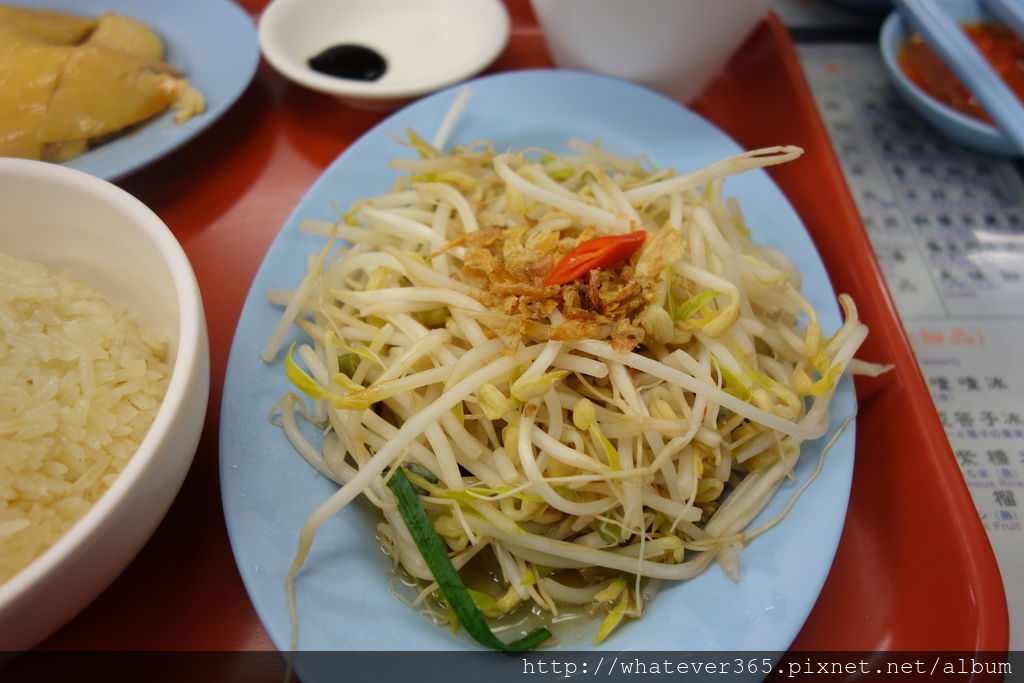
(427, 45)
(960, 128)
(106, 238)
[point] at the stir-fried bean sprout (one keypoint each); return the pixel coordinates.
(627, 425)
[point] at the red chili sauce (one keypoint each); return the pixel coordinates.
(1000, 46)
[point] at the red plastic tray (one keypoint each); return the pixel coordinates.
(914, 570)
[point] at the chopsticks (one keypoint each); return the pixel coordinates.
(1010, 11)
(958, 52)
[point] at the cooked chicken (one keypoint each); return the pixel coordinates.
(68, 82)
(46, 25)
(118, 32)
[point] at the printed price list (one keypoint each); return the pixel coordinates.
(947, 227)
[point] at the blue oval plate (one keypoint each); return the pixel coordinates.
(268, 491)
(212, 41)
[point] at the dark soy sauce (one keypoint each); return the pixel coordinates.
(347, 60)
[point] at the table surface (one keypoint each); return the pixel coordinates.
(225, 196)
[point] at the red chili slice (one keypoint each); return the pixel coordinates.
(600, 252)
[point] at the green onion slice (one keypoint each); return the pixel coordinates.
(448, 580)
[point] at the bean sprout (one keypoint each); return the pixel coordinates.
(632, 422)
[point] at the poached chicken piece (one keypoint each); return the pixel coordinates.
(69, 82)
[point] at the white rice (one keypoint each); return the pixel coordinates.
(80, 383)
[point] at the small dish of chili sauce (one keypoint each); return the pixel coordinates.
(1003, 49)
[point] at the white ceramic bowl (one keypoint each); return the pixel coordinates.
(107, 238)
(962, 129)
(427, 44)
(674, 46)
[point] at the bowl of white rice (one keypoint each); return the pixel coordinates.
(104, 380)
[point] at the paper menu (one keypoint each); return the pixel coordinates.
(947, 226)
